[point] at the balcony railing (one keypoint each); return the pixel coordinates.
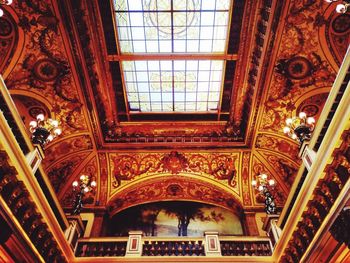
(179, 246)
(246, 248)
(101, 247)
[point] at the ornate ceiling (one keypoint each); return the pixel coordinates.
(60, 58)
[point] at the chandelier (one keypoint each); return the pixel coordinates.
(264, 186)
(300, 128)
(341, 8)
(44, 131)
(82, 187)
(4, 2)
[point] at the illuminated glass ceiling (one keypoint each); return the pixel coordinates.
(172, 27)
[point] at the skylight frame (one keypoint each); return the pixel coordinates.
(174, 57)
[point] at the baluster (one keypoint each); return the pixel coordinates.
(229, 248)
(158, 248)
(176, 244)
(180, 248)
(165, 249)
(118, 249)
(123, 249)
(94, 250)
(101, 249)
(185, 248)
(267, 249)
(200, 248)
(152, 250)
(79, 251)
(232, 248)
(190, 245)
(193, 248)
(162, 248)
(259, 249)
(238, 249)
(263, 249)
(224, 248)
(108, 249)
(145, 249)
(245, 249)
(254, 249)
(173, 248)
(88, 252)
(84, 250)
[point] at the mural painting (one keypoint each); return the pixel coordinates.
(175, 218)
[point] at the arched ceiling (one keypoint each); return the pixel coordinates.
(55, 58)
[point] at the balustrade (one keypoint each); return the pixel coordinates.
(173, 248)
(101, 248)
(245, 248)
(181, 246)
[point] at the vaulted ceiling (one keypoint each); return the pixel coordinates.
(62, 58)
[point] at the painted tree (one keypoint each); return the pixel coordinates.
(187, 211)
(149, 217)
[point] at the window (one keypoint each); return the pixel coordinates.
(172, 53)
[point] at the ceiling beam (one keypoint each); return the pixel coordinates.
(172, 57)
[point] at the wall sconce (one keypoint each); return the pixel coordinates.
(263, 185)
(4, 2)
(84, 186)
(300, 128)
(341, 8)
(44, 131)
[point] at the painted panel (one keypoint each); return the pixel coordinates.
(175, 218)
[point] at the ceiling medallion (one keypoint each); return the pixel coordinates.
(297, 67)
(45, 69)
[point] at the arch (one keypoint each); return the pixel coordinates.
(25, 95)
(169, 188)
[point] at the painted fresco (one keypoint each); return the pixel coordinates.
(175, 218)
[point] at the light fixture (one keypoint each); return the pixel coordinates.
(82, 187)
(300, 128)
(44, 131)
(264, 186)
(341, 8)
(4, 2)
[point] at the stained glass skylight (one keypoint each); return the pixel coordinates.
(166, 85)
(174, 27)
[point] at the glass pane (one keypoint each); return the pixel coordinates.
(140, 21)
(135, 4)
(193, 81)
(136, 19)
(212, 106)
(172, 26)
(208, 5)
(201, 106)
